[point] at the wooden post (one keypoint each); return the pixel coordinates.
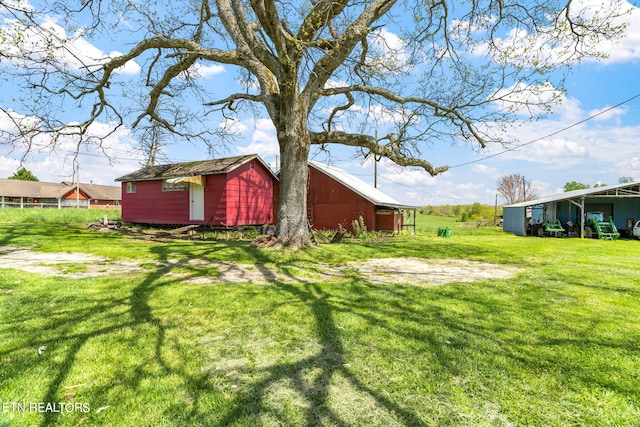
(414, 220)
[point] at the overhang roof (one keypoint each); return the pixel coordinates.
(360, 187)
(186, 169)
(614, 191)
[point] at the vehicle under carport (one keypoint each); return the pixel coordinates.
(621, 202)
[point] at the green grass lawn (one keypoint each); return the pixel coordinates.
(556, 345)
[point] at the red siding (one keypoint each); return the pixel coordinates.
(241, 197)
(249, 195)
(150, 205)
(391, 221)
(330, 203)
(215, 200)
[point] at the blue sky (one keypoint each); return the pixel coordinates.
(593, 136)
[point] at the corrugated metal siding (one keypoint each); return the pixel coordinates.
(514, 220)
(623, 209)
(249, 196)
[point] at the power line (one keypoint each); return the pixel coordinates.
(548, 135)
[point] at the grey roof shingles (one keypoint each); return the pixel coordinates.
(176, 170)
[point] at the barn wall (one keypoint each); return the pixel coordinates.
(331, 203)
(249, 197)
(624, 209)
(389, 221)
(514, 220)
(150, 205)
(621, 209)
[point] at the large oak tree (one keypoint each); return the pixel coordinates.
(324, 71)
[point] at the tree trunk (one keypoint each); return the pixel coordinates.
(292, 229)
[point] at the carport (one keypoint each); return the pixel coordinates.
(621, 202)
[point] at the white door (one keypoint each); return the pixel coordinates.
(196, 194)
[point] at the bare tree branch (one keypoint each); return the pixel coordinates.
(453, 114)
(391, 151)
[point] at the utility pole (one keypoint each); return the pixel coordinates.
(375, 166)
(375, 172)
(77, 184)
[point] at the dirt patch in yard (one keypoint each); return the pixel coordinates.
(413, 271)
(430, 271)
(62, 263)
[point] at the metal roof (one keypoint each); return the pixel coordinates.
(357, 185)
(619, 190)
(185, 169)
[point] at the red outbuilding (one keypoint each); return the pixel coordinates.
(222, 192)
(337, 197)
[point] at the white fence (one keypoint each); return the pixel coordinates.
(21, 203)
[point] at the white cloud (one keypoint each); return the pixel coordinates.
(628, 48)
(553, 46)
(607, 113)
(602, 142)
(29, 45)
(233, 126)
(117, 154)
(387, 52)
(409, 177)
(629, 166)
(206, 71)
(8, 167)
(263, 139)
(559, 148)
(330, 84)
(485, 170)
(527, 100)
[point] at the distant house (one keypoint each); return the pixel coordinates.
(36, 194)
(221, 192)
(336, 197)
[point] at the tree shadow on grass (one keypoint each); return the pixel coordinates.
(251, 403)
(329, 359)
